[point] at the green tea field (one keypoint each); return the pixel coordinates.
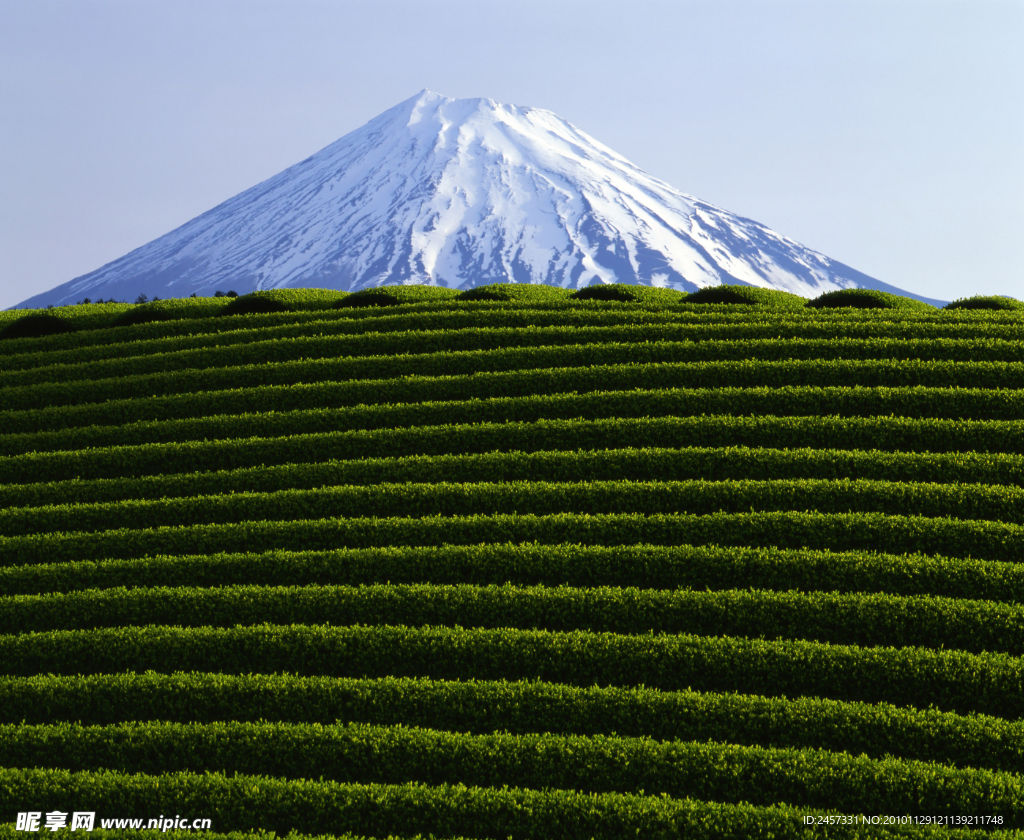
(513, 563)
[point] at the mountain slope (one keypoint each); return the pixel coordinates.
(462, 192)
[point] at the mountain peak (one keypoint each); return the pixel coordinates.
(460, 193)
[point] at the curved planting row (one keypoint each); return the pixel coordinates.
(950, 680)
(962, 502)
(787, 529)
(515, 568)
(361, 754)
(670, 567)
(530, 432)
(496, 398)
(604, 344)
(481, 707)
(626, 464)
(450, 810)
(171, 336)
(866, 619)
(537, 370)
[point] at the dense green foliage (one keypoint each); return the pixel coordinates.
(36, 325)
(395, 296)
(987, 302)
(516, 562)
(516, 292)
(747, 295)
(629, 292)
(143, 314)
(481, 707)
(865, 299)
(252, 305)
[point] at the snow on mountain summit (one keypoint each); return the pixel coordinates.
(461, 193)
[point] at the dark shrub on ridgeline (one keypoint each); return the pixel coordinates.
(630, 293)
(603, 291)
(142, 314)
(865, 299)
(396, 296)
(986, 302)
(517, 292)
(36, 326)
(748, 296)
(253, 304)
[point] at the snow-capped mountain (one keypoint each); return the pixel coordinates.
(460, 193)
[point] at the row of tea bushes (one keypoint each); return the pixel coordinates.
(497, 349)
(686, 428)
(948, 680)
(697, 322)
(450, 811)
(366, 754)
(865, 619)
(625, 464)
(1001, 504)
(482, 707)
(97, 316)
(666, 567)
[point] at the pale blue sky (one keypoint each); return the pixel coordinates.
(888, 135)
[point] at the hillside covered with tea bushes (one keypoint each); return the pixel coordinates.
(515, 562)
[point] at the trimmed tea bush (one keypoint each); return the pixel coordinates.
(396, 296)
(747, 295)
(518, 292)
(630, 293)
(143, 314)
(987, 302)
(252, 305)
(865, 299)
(36, 326)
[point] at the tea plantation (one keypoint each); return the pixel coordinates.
(514, 563)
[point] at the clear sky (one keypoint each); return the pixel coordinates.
(888, 135)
